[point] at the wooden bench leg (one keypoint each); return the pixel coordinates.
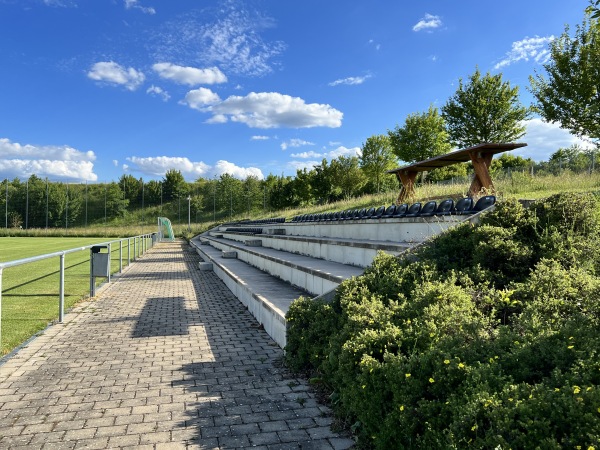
(482, 180)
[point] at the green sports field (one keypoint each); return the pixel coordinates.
(30, 292)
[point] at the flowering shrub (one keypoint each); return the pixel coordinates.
(486, 338)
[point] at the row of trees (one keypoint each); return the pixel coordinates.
(38, 203)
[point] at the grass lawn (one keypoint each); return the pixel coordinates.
(30, 292)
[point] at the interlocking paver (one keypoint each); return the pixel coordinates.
(165, 357)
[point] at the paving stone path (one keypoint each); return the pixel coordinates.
(164, 357)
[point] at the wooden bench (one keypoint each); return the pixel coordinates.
(480, 156)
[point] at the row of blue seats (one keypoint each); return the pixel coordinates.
(464, 206)
(263, 221)
(244, 230)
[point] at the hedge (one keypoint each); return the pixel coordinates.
(486, 337)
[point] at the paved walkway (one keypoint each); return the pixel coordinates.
(164, 357)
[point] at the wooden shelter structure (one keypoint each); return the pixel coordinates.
(480, 156)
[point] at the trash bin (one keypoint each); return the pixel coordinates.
(100, 261)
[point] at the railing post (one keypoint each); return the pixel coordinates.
(61, 290)
(109, 261)
(128, 251)
(120, 255)
(134, 248)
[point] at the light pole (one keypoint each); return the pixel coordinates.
(189, 199)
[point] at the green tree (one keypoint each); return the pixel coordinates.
(484, 109)
(347, 176)
(570, 95)
(152, 193)
(376, 158)
(506, 162)
(423, 136)
(132, 188)
(174, 185)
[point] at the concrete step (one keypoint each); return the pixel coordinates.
(316, 276)
(354, 252)
(266, 297)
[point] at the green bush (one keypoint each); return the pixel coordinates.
(487, 337)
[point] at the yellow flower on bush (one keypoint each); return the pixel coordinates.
(407, 375)
(401, 407)
(461, 365)
(570, 346)
(431, 380)
(446, 361)
(576, 389)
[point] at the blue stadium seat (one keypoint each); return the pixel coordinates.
(445, 208)
(428, 209)
(413, 210)
(464, 206)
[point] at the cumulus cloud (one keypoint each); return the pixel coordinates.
(535, 48)
(273, 110)
(135, 4)
(295, 143)
(544, 138)
(223, 167)
(428, 23)
(306, 155)
(112, 73)
(230, 37)
(200, 99)
(189, 75)
(331, 154)
(159, 165)
(350, 80)
(158, 92)
(55, 162)
(300, 165)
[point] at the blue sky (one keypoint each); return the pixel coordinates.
(93, 89)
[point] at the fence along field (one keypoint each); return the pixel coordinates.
(30, 292)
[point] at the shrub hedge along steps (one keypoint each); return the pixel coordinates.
(488, 337)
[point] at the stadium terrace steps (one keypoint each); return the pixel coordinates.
(276, 263)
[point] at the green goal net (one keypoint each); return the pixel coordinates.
(165, 230)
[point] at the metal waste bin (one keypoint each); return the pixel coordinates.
(100, 261)
(99, 265)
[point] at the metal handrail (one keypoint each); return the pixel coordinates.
(61, 302)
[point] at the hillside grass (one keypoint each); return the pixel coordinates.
(30, 292)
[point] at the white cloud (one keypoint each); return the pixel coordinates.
(544, 138)
(115, 162)
(260, 138)
(343, 151)
(217, 118)
(231, 39)
(429, 22)
(135, 4)
(295, 143)
(200, 99)
(272, 110)
(112, 73)
(189, 75)
(159, 92)
(329, 155)
(300, 165)
(535, 48)
(55, 162)
(159, 165)
(306, 155)
(222, 167)
(350, 80)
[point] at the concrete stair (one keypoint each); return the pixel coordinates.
(272, 265)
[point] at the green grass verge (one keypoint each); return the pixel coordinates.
(30, 292)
